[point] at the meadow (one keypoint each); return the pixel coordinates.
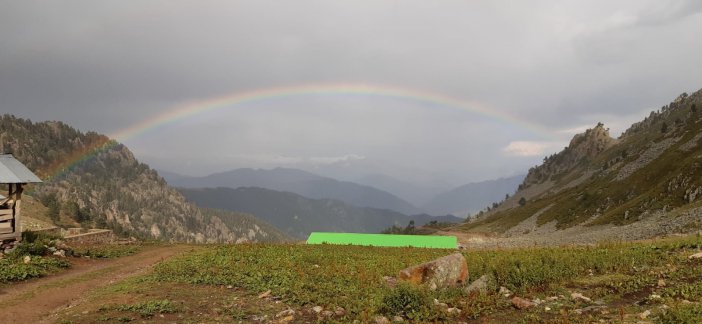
(627, 282)
(653, 280)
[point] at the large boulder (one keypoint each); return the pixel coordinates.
(444, 272)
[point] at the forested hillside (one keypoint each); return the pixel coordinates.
(98, 183)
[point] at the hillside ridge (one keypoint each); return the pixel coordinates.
(653, 169)
(92, 181)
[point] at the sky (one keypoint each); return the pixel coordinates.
(425, 91)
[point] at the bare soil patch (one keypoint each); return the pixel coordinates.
(184, 303)
(35, 301)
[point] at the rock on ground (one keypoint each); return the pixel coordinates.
(521, 303)
(444, 272)
(479, 285)
(579, 296)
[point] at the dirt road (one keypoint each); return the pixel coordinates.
(37, 300)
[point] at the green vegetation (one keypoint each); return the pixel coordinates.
(352, 277)
(410, 301)
(28, 259)
(16, 269)
(388, 240)
(426, 229)
(149, 308)
(103, 251)
(410, 229)
(32, 257)
(438, 225)
(682, 314)
(522, 201)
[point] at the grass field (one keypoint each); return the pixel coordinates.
(622, 282)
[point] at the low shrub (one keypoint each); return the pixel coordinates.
(408, 300)
(681, 314)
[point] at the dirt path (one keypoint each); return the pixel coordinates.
(36, 300)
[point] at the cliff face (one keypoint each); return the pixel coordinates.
(107, 187)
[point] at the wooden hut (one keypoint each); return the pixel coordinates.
(15, 175)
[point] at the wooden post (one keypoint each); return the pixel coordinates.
(11, 197)
(18, 200)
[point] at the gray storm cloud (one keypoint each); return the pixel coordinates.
(558, 65)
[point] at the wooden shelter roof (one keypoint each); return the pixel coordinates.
(13, 171)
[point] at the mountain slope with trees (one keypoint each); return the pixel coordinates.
(98, 182)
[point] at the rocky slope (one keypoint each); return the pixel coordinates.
(652, 175)
(98, 182)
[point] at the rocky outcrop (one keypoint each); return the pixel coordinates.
(583, 146)
(444, 272)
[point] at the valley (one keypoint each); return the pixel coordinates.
(605, 230)
(355, 162)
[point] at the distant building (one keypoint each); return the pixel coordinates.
(15, 175)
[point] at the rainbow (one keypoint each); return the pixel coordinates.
(182, 112)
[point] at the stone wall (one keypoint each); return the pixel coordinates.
(89, 237)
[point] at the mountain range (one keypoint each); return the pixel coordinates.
(415, 193)
(460, 201)
(472, 197)
(300, 182)
(298, 215)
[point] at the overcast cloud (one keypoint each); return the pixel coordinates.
(556, 66)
